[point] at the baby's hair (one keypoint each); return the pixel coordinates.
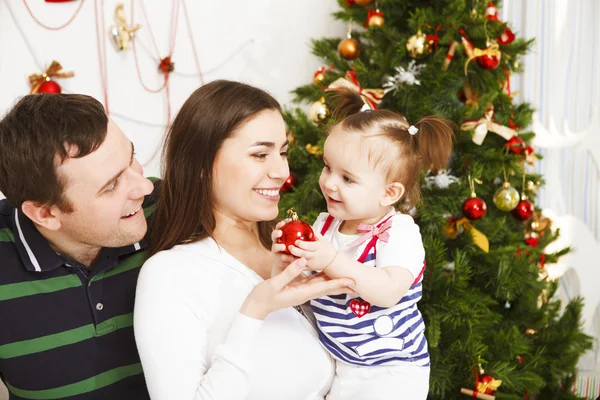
(402, 155)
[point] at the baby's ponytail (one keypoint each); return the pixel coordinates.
(434, 140)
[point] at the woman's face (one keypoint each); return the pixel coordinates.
(250, 168)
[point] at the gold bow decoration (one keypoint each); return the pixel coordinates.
(314, 150)
(371, 97)
(481, 127)
(454, 225)
(494, 384)
(491, 50)
(53, 71)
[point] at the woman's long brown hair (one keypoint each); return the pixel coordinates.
(185, 205)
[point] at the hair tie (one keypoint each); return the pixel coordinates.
(413, 130)
(365, 107)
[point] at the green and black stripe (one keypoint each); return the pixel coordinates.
(67, 331)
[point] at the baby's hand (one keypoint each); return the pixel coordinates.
(319, 253)
(282, 260)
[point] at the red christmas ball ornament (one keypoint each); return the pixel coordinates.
(49, 87)
(295, 230)
(474, 208)
(524, 210)
(289, 184)
(516, 145)
(488, 62)
(506, 37)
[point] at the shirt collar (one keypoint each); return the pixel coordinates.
(36, 253)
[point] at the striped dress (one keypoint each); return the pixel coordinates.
(359, 333)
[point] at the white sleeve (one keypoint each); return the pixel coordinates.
(171, 336)
(404, 247)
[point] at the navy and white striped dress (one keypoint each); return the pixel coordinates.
(357, 333)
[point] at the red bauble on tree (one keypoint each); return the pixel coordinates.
(474, 208)
(295, 230)
(488, 61)
(49, 87)
(516, 145)
(290, 183)
(524, 210)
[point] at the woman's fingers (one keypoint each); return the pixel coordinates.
(281, 223)
(278, 247)
(276, 234)
(289, 273)
(319, 288)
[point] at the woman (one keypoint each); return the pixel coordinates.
(213, 316)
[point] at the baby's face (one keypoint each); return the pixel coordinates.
(351, 184)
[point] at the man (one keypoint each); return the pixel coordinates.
(72, 231)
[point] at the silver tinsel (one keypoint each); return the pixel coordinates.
(403, 76)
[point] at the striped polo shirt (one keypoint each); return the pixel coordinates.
(359, 333)
(67, 330)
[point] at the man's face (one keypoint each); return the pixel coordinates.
(106, 189)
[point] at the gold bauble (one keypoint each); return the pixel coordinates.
(506, 198)
(376, 21)
(364, 2)
(349, 48)
(318, 79)
(319, 111)
(418, 46)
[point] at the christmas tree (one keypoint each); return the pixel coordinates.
(487, 303)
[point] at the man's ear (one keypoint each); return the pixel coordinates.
(42, 214)
(393, 193)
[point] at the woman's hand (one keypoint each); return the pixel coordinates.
(282, 260)
(288, 289)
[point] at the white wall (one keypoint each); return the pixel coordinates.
(261, 42)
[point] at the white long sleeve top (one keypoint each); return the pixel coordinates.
(194, 343)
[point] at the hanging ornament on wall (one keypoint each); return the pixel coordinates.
(374, 19)
(506, 197)
(349, 48)
(319, 111)
(295, 230)
(43, 83)
(418, 46)
(121, 34)
(403, 76)
(320, 75)
(290, 183)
